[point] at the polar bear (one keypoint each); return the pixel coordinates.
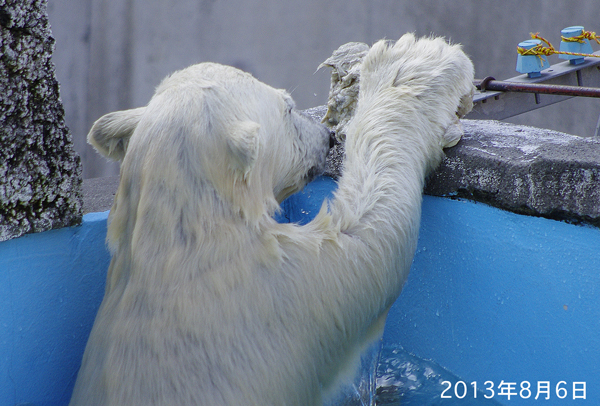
(209, 301)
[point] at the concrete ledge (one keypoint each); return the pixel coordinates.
(522, 169)
(525, 170)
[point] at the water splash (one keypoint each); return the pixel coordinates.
(390, 376)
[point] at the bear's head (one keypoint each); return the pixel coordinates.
(212, 128)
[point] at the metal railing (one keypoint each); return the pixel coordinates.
(498, 100)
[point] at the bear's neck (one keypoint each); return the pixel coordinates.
(184, 227)
(209, 221)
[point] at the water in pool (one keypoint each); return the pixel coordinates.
(390, 376)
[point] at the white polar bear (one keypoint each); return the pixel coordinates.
(209, 301)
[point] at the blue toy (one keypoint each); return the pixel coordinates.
(530, 62)
(573, 41)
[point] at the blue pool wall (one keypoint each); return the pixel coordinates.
(51, 285)
(492, 296)
(495, 296)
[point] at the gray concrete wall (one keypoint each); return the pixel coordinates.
(110, 54)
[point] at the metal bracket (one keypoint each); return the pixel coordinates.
(499, 105)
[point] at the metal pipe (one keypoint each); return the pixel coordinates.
(490, 83)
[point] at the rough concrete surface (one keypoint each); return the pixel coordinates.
(523, 169)
(40, 174)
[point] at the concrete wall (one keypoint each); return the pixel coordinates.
(110, 54)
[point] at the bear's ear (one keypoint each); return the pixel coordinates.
(243, 143)
(110, 134)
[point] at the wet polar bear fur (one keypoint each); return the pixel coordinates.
(209, 301)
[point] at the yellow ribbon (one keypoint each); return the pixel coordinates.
(589, 35)
(549, 49)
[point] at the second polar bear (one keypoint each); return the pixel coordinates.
(209, 301)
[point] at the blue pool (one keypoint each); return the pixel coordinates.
(499, 302)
